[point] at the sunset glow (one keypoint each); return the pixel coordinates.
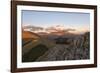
(60, 30)
(55, 22)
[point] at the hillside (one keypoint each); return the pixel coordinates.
(28, 34)
(46, 49)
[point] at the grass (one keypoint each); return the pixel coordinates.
(34, 53)
(29, 43)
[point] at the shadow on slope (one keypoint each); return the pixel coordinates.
(34, 53)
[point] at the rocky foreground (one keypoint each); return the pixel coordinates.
(76, 50)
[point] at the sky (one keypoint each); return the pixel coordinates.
(51, 18)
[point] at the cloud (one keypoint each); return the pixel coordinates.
(57, 28)
(69, 29)
(33, 28)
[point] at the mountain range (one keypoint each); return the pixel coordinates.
(57, 29)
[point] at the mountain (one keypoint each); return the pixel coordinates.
(58, 30)
(77, 48)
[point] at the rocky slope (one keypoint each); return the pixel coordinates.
(76, 50)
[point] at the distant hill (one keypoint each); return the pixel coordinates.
(28, 34)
